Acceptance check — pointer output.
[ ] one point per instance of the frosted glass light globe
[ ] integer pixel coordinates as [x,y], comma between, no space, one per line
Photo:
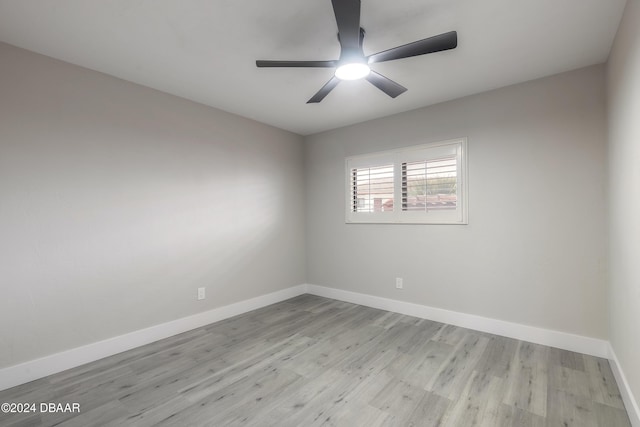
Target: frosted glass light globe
[353,71]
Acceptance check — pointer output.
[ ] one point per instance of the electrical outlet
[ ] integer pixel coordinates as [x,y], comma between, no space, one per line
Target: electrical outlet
[201,293]
[399,284]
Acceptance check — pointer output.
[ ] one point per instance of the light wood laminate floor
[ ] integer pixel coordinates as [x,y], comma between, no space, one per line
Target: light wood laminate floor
[312,361]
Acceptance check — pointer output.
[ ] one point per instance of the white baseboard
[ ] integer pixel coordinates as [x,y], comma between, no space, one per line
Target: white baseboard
[48,365]
[563,340]
[630,403]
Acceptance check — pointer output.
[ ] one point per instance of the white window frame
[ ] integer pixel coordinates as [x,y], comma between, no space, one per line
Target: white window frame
[425,152]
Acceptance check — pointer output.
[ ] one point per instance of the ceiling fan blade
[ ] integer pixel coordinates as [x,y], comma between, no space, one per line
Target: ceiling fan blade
[347,14]
[433,44]
[328,87]
[385,84]
[316,64]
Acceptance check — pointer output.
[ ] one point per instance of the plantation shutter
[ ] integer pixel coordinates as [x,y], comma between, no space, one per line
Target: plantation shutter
[429,185]
[372,189]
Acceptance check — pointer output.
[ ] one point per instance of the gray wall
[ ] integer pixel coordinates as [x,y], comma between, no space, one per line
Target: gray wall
[534,251]
[118,201]
[623,84]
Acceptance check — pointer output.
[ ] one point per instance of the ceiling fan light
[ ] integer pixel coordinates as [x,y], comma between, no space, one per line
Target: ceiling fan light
[352,71]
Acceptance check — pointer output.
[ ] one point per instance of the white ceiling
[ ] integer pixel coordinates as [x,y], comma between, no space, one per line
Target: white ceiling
[205,50]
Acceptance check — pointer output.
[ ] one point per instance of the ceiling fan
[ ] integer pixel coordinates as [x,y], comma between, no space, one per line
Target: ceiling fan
[353,64]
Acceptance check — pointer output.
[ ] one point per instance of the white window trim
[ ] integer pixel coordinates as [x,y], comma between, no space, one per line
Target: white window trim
[397,157]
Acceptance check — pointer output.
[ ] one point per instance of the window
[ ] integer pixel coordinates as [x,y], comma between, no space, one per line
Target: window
[424,184]
[373,189]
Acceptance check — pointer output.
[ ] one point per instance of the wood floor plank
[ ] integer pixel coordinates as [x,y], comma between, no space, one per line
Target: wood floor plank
[498,356]
[234,403]
[420,369]
[98,416]
[611,417]
[337,389]
[357,415]
[398,398]
[150,416]
[424,333]
[450,334]
[566,359]
[430,411]
[455,373]
[309,402]
[510,416]
[570,410]
[602,383]
[388,320]
[527,379]
[313,361]
[478,403]
[569,380]
[333,351]
[21,420]
[265,359]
